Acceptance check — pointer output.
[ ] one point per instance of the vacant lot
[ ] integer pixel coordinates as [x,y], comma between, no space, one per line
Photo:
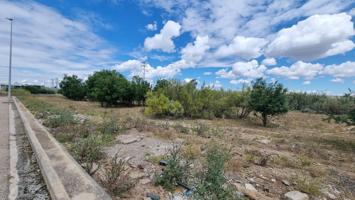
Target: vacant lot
[298,151]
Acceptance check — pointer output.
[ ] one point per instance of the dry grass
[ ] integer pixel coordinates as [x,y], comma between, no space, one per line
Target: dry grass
[302,143]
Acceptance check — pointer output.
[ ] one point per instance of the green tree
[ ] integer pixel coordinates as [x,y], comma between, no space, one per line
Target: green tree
[159,105]
[73,88]
[140,88]
[269,99]
[109,88]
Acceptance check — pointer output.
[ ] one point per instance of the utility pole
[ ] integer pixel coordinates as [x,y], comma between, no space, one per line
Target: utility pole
[10,62]
[144,64]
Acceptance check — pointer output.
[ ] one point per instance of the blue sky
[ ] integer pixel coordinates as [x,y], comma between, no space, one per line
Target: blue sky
[306,45]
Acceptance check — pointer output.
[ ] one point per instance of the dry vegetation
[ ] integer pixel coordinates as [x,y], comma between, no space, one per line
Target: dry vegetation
[299,151]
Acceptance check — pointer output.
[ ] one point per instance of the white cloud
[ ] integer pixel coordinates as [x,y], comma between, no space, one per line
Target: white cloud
[135,67]
[244,47]
[298,70]
[343,70]
[215,85]
[269,61]
[250,69]
[207,73]
[337,80]
[164,40]
[240,81]
[306,82]
[152,27]
[315,37]
[46,44]
[195,52]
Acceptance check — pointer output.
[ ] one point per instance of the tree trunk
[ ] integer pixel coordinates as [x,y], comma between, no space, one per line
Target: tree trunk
[264,119]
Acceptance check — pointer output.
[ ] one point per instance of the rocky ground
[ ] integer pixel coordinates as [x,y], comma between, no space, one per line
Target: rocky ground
[299,156]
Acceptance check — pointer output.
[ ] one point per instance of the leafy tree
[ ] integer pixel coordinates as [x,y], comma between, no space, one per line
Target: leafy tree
[109,88]
[73,88]
[140,87]
[268,99]
[159,105]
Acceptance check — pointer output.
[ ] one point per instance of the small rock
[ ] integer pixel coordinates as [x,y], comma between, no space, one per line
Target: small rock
[136,175]
[273,180]
[128,139]
[265,141]
[153,196]
[250,187]
[296,195]
[285,182]
[163,163]
[144,181]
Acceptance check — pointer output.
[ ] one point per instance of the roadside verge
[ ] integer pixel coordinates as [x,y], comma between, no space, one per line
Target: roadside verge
[64,177]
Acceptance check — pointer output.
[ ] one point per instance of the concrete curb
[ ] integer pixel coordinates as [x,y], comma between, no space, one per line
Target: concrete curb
[54,185]
[64,177]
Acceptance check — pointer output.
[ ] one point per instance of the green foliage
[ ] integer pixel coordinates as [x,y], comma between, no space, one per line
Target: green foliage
[36,89]
[73,88]
[108,87]
[20,92]
[212,183]
[205,102]
[159,105]
[177,170]
[268,99]
[139,88]
[60,118]
[88,152]
[115,178]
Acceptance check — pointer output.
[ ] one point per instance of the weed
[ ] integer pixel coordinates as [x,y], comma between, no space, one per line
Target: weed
[211,183]
[88,151]
[181,128]
[177,170]
[305,161]
[115,178]
[110,126]
[154,159]
[201,129]
[191,151]
[309,186]
[60,118]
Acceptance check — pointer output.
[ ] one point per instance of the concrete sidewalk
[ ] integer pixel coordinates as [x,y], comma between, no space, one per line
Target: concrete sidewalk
[4,148]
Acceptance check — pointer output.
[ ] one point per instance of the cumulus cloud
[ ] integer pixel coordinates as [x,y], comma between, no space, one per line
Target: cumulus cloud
[152,27]
[244,47]
[195,52]
[47,44]
[135,67]
[298,70]
[315,37]
[207,73]
[240,81]
[250,69]
[343,70]
[164,40]
[269,61]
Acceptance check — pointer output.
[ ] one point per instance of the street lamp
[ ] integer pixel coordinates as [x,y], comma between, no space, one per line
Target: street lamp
[10,62]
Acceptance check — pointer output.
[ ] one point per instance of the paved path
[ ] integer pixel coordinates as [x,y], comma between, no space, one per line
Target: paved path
[4,148]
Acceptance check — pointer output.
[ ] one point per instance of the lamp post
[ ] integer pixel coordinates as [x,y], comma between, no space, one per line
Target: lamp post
[10,62]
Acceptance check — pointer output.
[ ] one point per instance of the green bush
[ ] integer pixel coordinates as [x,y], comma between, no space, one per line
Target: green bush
[114,177]
[60,119]
[159,105]
[211,183]
[88,152]
[176,170]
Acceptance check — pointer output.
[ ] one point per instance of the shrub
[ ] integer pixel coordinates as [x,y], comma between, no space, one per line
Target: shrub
[60,119]
[176,170]
[268,99]
[88,151]
[72,87]
[115,178]
[159,105]
[110,126]
[211,183]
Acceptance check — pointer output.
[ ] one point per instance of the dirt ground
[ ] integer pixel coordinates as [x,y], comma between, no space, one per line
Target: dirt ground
[298,151]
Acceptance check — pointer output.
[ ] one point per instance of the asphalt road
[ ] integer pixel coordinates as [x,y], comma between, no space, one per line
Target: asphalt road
[4,148]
